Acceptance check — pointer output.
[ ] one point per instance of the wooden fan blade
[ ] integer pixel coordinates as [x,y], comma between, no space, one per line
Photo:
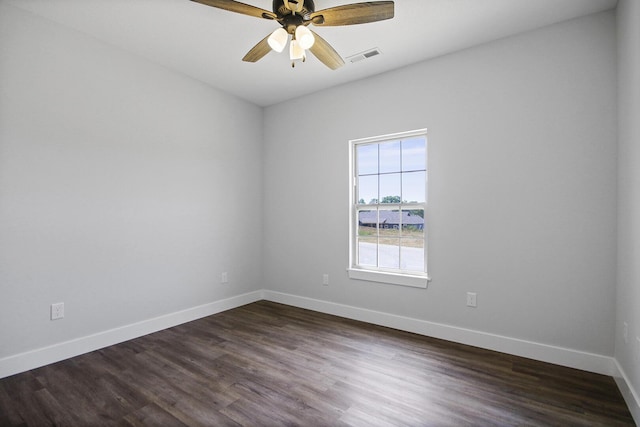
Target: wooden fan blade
[236,6]
[325,53]
[355,13]
[258,51]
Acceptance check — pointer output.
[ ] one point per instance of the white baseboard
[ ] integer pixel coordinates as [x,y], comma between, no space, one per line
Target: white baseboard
[631,396]
[557,355]
[43,356]
[561,356]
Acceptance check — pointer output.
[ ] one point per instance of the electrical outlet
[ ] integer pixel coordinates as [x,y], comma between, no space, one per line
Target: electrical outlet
[224,277]
[472,299]
[625,332]
[325,280]
[57,311]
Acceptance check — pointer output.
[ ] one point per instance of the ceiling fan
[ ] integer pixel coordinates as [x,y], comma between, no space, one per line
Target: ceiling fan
[294,16]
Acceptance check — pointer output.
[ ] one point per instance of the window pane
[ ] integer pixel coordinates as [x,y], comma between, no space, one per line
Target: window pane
[413,186]
[390,188]
[390,157]
[368,238]
[368,223]
[389,253]
[367,252]
[368,189]
[389,237]
[414,154]
[412,241]
[367,159]
[413,224]
[389,224]
[412,255]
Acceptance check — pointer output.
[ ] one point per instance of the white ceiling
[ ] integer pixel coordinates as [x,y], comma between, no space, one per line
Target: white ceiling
[208,43]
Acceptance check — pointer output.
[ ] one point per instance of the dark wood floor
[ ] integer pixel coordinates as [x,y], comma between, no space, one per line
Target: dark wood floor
[267,364]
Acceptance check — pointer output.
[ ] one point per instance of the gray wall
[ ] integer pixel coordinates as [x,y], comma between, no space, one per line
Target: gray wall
[522,186]
[628,303]
[125,189]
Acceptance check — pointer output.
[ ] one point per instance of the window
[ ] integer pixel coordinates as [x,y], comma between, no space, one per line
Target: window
[388,197]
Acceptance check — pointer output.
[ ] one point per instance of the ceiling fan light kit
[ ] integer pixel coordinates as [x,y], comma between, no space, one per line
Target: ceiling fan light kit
[278,39]
[296,52]
[304,36]
[295,15]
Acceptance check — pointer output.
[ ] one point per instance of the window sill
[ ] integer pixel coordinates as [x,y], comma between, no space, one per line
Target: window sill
[414,281]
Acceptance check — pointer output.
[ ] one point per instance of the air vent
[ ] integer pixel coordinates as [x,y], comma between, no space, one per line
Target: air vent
[364,55]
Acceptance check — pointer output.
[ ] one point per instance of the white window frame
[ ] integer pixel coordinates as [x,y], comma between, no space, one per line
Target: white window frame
[377,274]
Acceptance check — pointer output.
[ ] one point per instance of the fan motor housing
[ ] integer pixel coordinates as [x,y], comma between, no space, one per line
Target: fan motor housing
[281,10]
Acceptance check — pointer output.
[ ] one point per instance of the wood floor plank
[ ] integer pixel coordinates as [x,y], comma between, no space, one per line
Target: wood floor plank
[151,415]
[9,414]
[267,364]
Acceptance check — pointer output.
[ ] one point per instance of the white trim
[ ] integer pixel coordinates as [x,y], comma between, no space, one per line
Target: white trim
[631,396]
[591,362]
[356,271]
[386,277]
[43,356]
[558,355]
[398,135]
